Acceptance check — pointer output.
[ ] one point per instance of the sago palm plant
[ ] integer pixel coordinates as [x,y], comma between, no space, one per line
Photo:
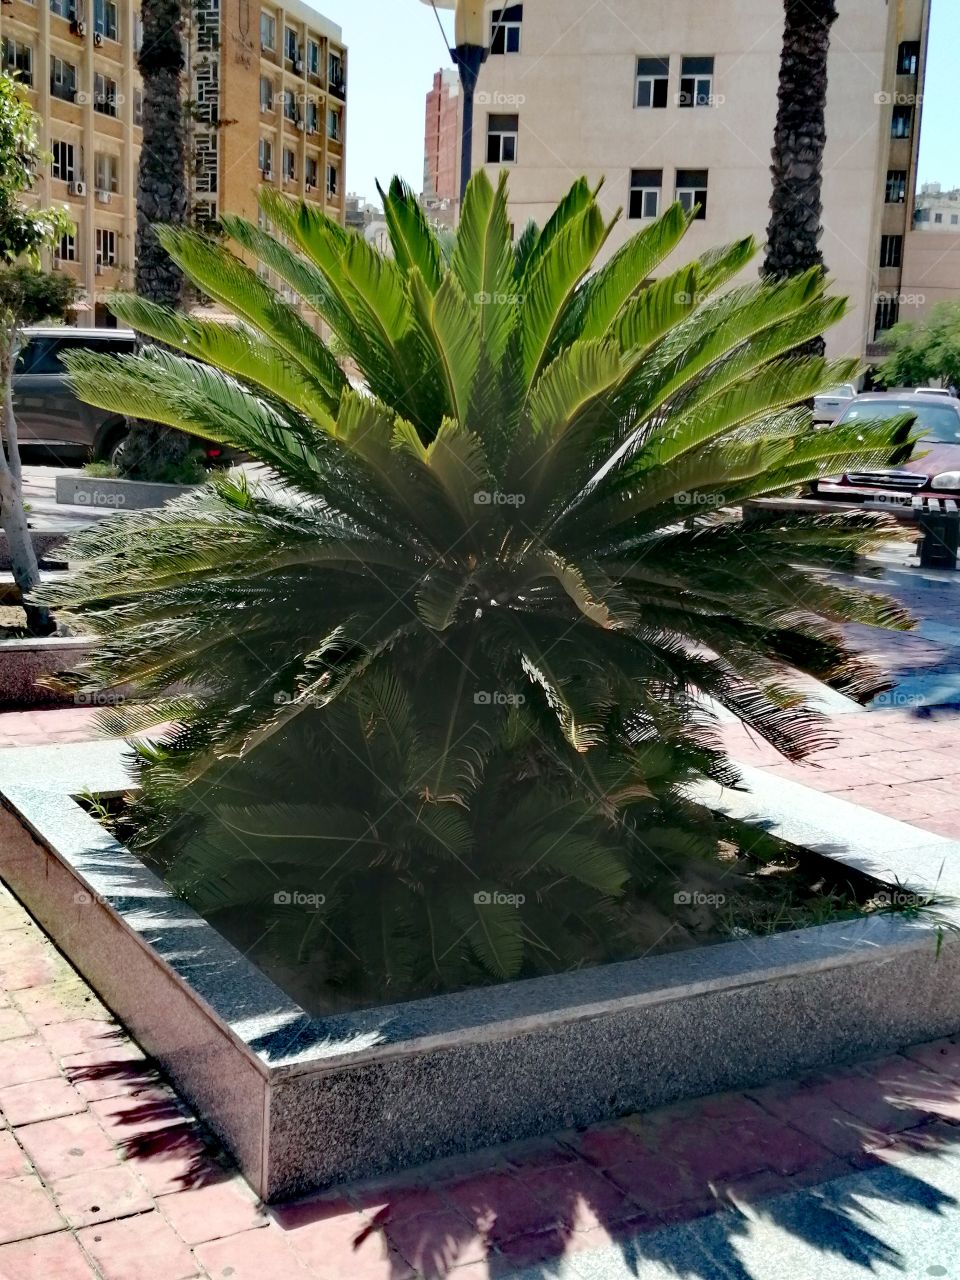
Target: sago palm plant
[519,543]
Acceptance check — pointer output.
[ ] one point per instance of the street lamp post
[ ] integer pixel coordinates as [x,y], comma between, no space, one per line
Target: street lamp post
[469,54]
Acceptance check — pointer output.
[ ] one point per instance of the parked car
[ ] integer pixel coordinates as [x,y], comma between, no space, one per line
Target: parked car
[932,471]
[829,405]
[54,426]
[935,391]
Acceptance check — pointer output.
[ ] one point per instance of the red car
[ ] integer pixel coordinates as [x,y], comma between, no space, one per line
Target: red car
[932,472]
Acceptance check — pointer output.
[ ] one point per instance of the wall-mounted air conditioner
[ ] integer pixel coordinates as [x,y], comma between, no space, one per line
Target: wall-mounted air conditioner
[104,197]
[77,189]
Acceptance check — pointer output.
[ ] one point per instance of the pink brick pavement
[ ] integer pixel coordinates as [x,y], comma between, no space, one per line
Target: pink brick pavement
[894,762]
[105,1173]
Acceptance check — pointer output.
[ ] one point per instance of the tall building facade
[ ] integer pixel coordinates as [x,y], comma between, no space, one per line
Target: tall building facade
[677,99]
[264,100]
[441,138]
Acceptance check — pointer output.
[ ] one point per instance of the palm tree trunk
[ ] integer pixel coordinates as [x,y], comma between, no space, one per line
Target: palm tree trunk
[796,206]
[161,198]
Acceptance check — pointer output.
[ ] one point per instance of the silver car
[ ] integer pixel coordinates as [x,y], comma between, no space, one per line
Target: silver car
[53,424]
[828,406]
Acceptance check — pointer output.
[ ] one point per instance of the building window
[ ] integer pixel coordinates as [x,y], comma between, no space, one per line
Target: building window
[333,182]
[65,250]
[289,165]
[18,60]
[266,93]
[938,217]
[502,136]
[902,122]
[954,219]
[653,79]
[105,96]
[692,191]
[896,186]
[310,172]
[696,82]
[107,171]
[106,247]
[335,70]
[138,106]
[505,28]
[63,79]
[62,8]
[334,124]
[312,115]
[265,158]
[887,314]
[268,32]
[645,188]
[105,19]
[908,58]
[289,44]
[313,57]
[63,166]
[289,105]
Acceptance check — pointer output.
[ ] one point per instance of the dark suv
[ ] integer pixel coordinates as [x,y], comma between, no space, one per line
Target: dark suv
[53,423]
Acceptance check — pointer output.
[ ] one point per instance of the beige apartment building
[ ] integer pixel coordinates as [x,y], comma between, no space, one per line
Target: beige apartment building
[267,94]
[677,99]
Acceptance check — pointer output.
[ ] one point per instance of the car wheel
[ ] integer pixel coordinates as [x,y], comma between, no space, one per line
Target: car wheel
[114,450]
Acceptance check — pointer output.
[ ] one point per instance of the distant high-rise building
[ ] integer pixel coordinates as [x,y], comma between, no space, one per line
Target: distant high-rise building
[441,142]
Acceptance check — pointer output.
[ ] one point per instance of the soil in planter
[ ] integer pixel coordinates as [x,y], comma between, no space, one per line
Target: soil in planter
[13,625]
[755,886]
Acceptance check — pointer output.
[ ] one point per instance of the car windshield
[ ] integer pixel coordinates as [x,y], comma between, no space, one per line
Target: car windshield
[940,422]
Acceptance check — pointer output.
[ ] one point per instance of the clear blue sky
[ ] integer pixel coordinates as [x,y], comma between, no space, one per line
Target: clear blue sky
[395,47]
[939,152]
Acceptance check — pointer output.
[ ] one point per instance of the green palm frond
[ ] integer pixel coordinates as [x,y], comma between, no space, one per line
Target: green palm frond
[465,632]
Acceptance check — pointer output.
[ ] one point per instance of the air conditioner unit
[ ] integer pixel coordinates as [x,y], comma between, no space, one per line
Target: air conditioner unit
[300,125]
[267,175]
[298,66]
[311,186]
[104,197]
[77,189]
[79,29]
[56,265]
[97,39]
[98,269]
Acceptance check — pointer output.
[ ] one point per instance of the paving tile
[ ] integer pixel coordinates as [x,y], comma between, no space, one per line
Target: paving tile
[68,1145]
[99,1195]
[109,1072]
[56,1257]
[254,1255]
[218,1209]
[173,1159]
[435,1243]
[81,1035]
[13,1162]
[26,1209]
[140,1248]
[333,1239]
[655,1183]
[24,1060]
[611,1145]
[405,1200]
[140,1113]
[13,1025]
[39,1100]
[60,1002]
[942,1057]
[500,1206]
[578,1198]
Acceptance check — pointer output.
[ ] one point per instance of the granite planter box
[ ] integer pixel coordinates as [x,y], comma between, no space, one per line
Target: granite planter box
[119,495]
[304,1102]
[24,662]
